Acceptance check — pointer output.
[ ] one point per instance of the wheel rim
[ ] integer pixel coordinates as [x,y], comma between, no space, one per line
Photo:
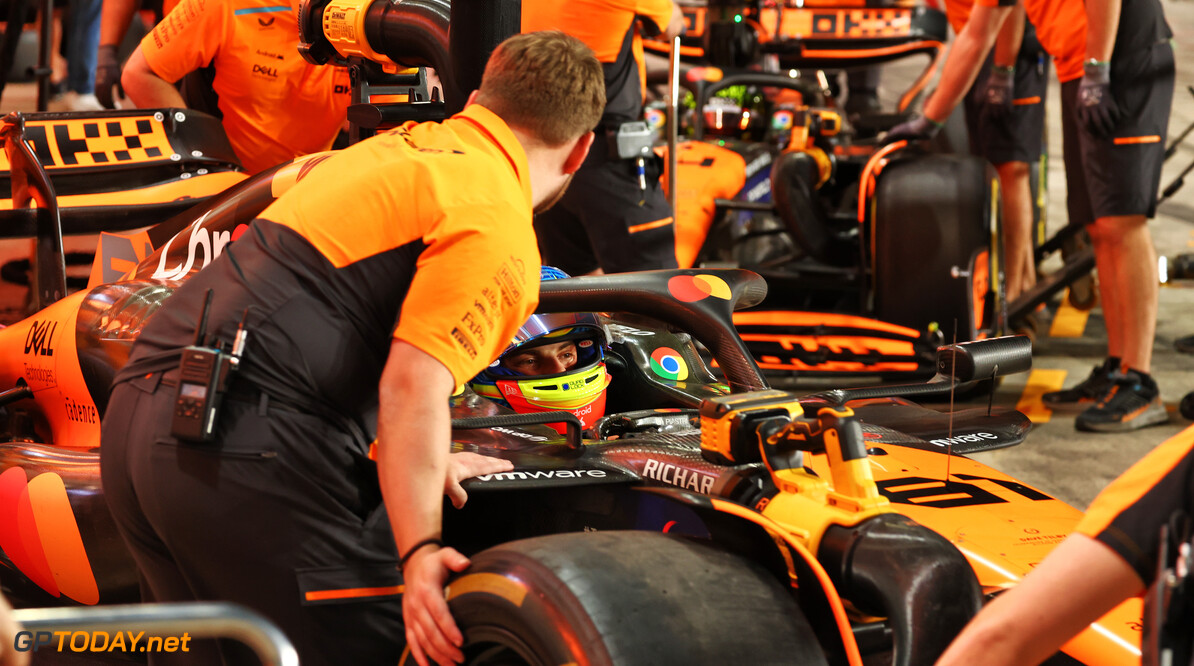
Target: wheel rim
[494,646]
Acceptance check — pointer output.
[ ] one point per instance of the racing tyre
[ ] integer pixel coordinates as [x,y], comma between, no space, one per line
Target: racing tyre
[625,598]
[934,233]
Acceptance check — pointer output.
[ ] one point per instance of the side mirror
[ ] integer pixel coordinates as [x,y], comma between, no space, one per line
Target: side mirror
[984,359]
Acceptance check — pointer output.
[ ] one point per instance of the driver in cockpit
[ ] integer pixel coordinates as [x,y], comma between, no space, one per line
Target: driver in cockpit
[555,362]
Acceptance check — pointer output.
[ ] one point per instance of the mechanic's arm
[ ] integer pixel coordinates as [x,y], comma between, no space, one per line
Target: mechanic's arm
[115,18]
[145,88]
[1007,44]
[1079,582]
[1102,22]
[413,431]
[965,59]
[675,25]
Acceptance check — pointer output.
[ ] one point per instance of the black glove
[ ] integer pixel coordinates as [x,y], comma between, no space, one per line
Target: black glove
[999,93]
[1096,106]
[917,129]
[107,75]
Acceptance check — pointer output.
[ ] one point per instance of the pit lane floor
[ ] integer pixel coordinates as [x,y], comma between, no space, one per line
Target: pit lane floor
[1055,458]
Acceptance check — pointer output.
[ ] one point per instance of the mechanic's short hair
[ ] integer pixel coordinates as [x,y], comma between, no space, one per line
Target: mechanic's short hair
[547,84]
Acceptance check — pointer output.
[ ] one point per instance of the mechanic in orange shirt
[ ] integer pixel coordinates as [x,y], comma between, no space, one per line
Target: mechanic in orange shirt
[275,105]
[1005,116]
[1115,62]
[356,329]
[616,217]
[1111,556]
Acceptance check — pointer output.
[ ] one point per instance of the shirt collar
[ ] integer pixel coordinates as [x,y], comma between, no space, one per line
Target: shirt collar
[498,132]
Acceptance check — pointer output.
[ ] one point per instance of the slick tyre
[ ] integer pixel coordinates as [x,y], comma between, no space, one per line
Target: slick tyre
[936,258]
[625,598]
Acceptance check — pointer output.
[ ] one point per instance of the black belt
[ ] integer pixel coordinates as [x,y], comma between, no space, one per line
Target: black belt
[252,394]
[245,391]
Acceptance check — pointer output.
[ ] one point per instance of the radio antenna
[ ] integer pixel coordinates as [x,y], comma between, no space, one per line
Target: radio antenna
[953,387]
[201,328]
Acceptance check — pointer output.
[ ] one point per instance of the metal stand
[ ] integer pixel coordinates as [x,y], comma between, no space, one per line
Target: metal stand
[198,620]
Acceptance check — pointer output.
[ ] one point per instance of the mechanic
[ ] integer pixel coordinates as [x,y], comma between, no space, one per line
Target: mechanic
[616,218]
[1111,556]
[275,105]
[1005,116]
[1115,63]
[369,319]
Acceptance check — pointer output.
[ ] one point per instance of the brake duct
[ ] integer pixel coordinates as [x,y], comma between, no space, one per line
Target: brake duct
[893,567]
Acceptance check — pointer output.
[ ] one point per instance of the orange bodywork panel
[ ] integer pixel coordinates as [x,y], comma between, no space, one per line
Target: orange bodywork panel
[823,319]
[42,351]
[704,173]
[829,23]
[1003,528]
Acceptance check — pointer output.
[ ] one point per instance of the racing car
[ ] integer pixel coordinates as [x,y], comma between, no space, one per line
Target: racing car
[699,521]
[849,234]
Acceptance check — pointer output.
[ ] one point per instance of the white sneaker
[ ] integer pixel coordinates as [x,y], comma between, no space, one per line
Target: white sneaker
[73,101]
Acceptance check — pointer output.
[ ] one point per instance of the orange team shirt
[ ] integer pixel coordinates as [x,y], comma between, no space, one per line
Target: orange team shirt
[604,25]
[1127,515]
[1061,28]
[276,106]
[477,276]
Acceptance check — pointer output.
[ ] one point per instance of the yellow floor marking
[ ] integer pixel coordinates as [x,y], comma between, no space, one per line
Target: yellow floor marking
[1069,322]
[1039,383]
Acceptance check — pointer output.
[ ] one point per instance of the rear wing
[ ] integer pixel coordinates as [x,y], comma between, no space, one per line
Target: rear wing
[117,170]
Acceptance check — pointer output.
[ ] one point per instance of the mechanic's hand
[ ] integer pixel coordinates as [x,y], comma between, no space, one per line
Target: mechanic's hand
[1000,92]
[431,633]
[1096,106]
[107,75]
[9,656]
[465,465]
[917,129]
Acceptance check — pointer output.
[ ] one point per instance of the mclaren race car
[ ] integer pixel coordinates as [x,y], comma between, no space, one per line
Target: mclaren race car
[850,235]
[697,522]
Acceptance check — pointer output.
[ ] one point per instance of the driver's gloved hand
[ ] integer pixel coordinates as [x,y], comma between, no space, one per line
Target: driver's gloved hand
[917,129]
[1096,106]
[999,93]
[107,75]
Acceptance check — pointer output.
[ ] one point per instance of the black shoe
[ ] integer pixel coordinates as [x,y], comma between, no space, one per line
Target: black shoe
[1185,344]
[1133,402]
[1088,391]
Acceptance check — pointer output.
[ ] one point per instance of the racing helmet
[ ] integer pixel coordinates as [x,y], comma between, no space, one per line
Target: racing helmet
[725,117]
[579,389]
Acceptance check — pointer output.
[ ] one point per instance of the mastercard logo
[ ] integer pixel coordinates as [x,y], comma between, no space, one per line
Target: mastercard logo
[667,363]
[692,288]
